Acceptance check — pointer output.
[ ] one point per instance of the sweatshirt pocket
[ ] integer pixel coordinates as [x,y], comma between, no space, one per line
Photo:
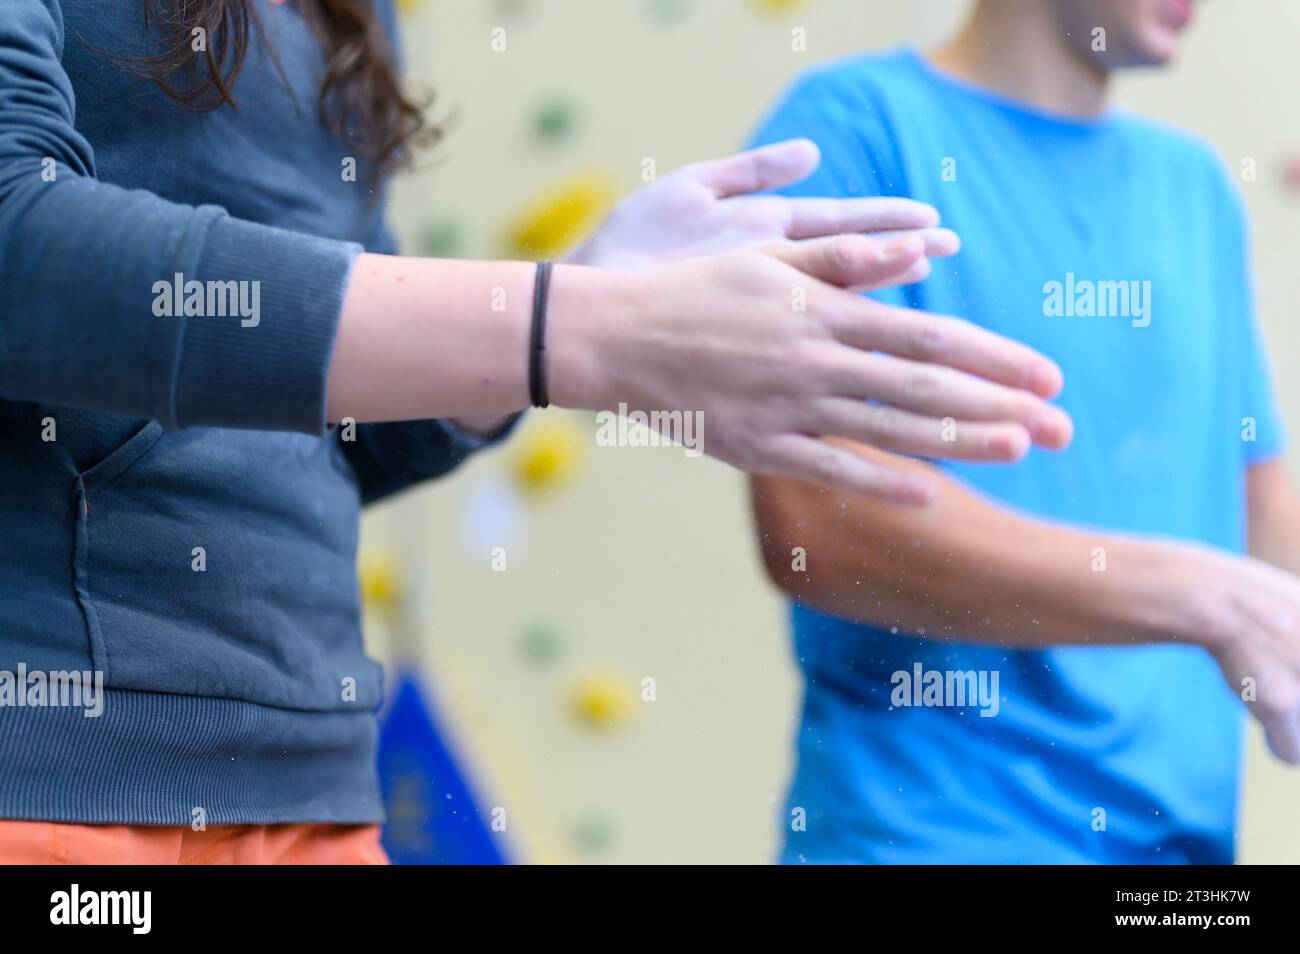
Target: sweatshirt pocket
[117,462]
[222,563]
[98,475]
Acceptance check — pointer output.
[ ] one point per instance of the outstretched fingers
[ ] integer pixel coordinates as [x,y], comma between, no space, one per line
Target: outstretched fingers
[870,325]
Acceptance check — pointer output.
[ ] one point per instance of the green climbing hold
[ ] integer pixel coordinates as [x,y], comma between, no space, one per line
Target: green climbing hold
[556,120]
[594,833]
[442,240]
[541,644]
[669,11]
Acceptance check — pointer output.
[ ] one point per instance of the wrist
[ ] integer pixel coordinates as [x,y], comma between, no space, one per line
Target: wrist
[589,311]
[1161,584]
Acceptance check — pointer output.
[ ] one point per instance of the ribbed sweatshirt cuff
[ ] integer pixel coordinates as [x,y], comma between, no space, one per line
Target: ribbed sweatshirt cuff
[264,367]
[152,758]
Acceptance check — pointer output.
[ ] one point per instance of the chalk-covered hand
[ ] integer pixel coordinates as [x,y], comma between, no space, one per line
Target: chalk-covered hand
[711,208]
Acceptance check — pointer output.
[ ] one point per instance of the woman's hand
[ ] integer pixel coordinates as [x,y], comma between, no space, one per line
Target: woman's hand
[708,209]
[774,355]
[770,348]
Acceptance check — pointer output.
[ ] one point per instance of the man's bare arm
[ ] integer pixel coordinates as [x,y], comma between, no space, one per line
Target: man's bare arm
[970,570]
[1273,512]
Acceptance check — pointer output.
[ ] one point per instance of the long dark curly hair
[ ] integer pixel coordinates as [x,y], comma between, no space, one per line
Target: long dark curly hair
[361,98]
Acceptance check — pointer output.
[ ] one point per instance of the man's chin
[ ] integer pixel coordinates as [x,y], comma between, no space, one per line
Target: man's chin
[1152,57]
[1162,50]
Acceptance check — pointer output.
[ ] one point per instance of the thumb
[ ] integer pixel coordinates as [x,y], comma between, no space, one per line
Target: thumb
[854,261]
[768,167]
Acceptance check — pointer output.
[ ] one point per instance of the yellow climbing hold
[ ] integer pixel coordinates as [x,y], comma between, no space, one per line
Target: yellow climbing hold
[602,701]
[780,6]
[548,454]
[381,580]
[560,218]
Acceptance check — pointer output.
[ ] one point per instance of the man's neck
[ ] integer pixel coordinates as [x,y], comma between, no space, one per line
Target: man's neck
[1021,54]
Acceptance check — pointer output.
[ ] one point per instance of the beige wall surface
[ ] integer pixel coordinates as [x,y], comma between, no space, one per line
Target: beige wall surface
[642,563]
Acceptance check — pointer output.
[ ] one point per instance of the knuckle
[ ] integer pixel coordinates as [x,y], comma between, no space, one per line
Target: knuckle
[920,387]
[878,420]
[894,487]
[927,338]
[808,362]
[872,319]
[842,255]
[857,253]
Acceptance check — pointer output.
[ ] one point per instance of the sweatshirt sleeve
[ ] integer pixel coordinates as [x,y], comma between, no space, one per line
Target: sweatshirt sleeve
[390,458]
[79,261]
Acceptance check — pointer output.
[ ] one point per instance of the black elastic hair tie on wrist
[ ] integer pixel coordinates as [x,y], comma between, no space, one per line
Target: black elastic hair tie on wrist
[537,344]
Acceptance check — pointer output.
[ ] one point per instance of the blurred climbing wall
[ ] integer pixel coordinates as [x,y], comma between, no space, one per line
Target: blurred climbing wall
[628,564]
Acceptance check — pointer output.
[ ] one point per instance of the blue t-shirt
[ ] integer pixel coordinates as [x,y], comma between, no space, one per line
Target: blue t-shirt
[1117,247]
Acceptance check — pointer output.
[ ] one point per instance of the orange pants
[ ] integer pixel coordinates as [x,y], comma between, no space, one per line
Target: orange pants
[46,843]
